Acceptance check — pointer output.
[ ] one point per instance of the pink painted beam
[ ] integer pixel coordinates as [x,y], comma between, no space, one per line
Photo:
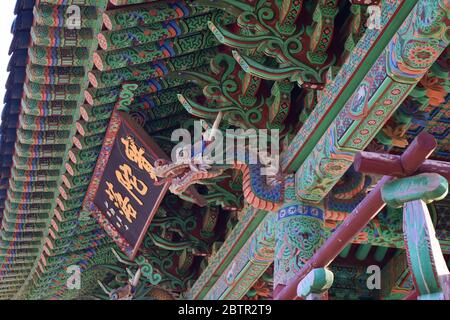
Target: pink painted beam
[413,157]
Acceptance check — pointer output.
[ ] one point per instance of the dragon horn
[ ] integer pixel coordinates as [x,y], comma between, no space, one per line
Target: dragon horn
[136,278]
[215,126]
[129,273]
[103,287]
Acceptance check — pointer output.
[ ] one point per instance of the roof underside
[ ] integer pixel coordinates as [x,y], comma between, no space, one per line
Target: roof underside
[63,87]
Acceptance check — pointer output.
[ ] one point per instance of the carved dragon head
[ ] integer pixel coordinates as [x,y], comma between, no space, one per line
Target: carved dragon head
[182,175]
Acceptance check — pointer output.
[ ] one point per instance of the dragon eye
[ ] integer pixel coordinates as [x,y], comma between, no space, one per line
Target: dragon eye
[160,162]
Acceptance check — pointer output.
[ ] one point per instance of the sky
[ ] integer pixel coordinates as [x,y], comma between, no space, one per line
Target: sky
[7,17]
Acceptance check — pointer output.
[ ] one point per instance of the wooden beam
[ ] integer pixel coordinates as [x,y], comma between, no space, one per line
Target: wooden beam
[336,94]
[375,100]
[390,164]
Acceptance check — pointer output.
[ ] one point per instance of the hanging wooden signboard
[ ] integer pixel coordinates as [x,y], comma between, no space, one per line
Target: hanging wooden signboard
[124,193]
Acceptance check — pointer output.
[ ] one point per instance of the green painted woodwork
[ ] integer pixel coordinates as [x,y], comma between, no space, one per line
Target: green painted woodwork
[76,180]
[84,156]
[44,137]
[87,141]
[28,122]
[145,34]
[96,113]
[148,13]
[233,243]
[54,16]
[344,253]
[101,96]
[173,121]
[345,83]
[165,110]
[34,187]
[428,187]
[383,89]
[60,56]
[81,167]
[380,253]
[92,128]
[298,234]
[249,264]
[97,3]
[425,258]
[67,193]
[43,35]
[154,51]
[55,75]
[48,108]
[51,92]
[152,70]
[276,35]
[124,2]
[318,281]
[240,97]
[37,163]
[363,251]
[167,48]
[45,151]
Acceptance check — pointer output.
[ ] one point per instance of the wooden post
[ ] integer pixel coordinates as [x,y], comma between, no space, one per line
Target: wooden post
[425,259]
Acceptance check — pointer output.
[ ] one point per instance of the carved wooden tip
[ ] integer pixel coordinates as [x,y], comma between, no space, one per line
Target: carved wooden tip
[72,156]
[77,143]
[66,181]
[60,204]
[63,192]
[69,170]
[98,62]
[80,129]
[107,21]
[102,42]
[416,153]
[89,98]
[93,79]
[55,225]
[426,140]
[52,234]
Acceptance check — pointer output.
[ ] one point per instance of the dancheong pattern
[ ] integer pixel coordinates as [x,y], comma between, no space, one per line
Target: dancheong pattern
[353,87]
